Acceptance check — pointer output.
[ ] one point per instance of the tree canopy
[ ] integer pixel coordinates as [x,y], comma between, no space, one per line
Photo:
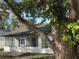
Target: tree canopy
[57,12]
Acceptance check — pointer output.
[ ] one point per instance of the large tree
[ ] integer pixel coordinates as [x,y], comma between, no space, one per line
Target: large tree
[63,16]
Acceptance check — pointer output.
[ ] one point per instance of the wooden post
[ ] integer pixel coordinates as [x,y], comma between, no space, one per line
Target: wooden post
[39,42]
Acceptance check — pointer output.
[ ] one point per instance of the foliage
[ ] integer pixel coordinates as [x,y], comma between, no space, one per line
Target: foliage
[71,33]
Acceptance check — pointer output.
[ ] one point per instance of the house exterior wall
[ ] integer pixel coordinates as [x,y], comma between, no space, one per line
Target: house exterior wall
[39,42]
[29,41]
[11,44]
[27,48]
[15,42]
[8,41]
[2,42]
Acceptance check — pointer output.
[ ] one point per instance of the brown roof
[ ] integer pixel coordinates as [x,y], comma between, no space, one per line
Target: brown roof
[24,30]
[2,32]
[21,29]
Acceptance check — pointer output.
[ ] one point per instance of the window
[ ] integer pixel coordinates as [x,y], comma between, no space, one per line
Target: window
[22,41]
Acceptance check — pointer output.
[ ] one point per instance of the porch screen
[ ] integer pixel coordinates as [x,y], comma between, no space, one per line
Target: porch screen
[8,41]
[34,42]
[44,45]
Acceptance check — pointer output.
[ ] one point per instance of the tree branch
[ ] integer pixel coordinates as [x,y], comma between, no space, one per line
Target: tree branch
[69,20]
[74,12]
[30,25]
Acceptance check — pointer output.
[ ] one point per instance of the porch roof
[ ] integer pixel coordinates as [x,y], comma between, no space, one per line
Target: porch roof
[2,32]
[23,31]
[19,31]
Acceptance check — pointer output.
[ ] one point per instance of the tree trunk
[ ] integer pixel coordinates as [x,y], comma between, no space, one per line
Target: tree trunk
[61,49]
[66,53]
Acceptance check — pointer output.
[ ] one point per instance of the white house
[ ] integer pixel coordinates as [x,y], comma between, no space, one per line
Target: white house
[24,40]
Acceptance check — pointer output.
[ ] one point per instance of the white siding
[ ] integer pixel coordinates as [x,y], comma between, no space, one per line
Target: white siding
[39,42]
[28,41]
[2,42]
[8,41]
[15,42]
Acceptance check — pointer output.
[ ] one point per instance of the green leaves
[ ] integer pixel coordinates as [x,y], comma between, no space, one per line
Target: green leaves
[66,37]
[71,33]
[74,26]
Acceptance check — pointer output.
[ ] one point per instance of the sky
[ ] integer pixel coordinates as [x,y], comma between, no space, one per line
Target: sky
[18,1]
[38,20]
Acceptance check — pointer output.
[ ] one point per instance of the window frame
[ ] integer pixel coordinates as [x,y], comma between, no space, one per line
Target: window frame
[21,41]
